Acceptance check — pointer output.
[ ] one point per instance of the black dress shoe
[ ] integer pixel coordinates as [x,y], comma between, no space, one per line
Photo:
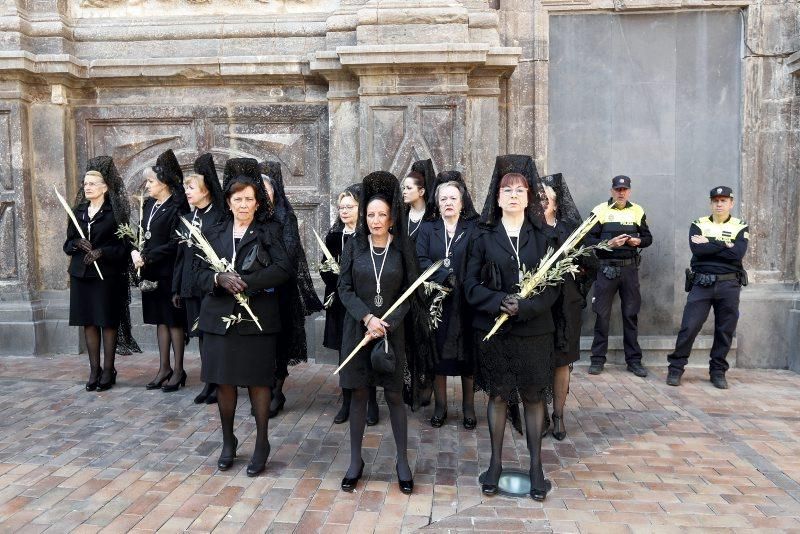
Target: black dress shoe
[103,386]
[719,381]
[203,395]
[175,387]
[226,461]
[559,430]
[257,467]
[596,368]
[674,377]
[92,385]
[438,422]
[490,488]
[406,486]
[470,423]
[349,484]
[276,407]
[343,415]
[212,397]
[638,369]
[157,384]
[540,494]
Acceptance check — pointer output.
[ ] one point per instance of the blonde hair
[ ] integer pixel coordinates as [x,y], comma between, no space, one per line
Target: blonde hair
[345,194]
[95,174]
[198,179]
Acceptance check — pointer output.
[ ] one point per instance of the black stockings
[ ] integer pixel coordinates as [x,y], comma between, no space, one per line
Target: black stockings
[259,400]
[358,420]
[467,396]
[277,398]
[92,336]
[560,389]
[227,397]
[175,336]
[534,418]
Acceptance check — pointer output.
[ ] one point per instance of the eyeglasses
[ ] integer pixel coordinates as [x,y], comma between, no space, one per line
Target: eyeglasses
[519,191]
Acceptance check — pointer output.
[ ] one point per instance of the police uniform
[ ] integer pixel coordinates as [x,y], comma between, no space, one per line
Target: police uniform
[715,281]
[618,272]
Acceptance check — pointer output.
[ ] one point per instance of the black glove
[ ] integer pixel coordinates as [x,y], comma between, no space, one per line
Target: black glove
[83,244]
[92,256]
[176,301]
[231,282]
[510,305]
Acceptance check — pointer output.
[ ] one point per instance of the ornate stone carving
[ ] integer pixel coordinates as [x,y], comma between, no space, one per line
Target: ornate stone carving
[157,7]
[8,242]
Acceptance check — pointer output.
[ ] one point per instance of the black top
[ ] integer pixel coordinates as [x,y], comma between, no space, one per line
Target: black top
[102,235]
[183,277]
[160,249]
[493,272]
[263,264]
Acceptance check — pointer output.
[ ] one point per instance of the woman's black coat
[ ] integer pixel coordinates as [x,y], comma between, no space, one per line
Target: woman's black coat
[184,283]
[160,250]
[334,313]
[492,273]
[114,260]
[270,270]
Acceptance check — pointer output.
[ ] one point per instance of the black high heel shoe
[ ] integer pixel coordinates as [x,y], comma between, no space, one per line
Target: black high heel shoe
[372,414]
[91,386]
[406,486]
[175,387]
[489,488]
[103,386]
[438,422]
[204,394]
[274,411]
[470,423]
[349,484]
[343,415]
[225,462]
[157,384]
[559,430]
[253,468]
[540,494]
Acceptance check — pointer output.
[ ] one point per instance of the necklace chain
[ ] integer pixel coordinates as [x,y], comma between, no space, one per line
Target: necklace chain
[378,274]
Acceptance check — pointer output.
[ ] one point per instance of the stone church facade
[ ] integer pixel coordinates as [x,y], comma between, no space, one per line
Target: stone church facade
[681,95]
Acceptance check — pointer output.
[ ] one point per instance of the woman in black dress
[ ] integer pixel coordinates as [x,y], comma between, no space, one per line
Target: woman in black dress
[204,194]
[241,354]
[447,238]
[563,218]
[417,189]
[298,299]
[339,234]
[161,212]
[101,307]
[517,362]
[378,264]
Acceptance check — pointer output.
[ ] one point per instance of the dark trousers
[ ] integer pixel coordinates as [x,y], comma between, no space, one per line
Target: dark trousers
[724,298]
[627,284]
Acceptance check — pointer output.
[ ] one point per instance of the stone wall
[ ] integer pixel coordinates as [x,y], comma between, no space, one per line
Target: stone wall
[334,89]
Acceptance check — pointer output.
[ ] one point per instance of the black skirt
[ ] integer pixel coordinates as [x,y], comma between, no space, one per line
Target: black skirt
[95,302]
[157,306]
[238,360]
[454,360]
[515,367]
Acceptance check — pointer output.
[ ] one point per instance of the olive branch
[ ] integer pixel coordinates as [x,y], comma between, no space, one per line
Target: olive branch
[439,293]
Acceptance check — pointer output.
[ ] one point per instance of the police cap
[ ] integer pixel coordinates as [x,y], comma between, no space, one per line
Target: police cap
[621,182]
[721,191]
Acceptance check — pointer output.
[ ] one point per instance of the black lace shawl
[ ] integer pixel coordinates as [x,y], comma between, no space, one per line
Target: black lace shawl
[468,212]
[168,171]
[245,169]
[120,205]
[301,298]
[355,190]
[525,166]
[420,344]
[204,166]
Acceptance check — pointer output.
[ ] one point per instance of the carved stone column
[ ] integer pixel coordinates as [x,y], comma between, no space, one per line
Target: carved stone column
[427,77]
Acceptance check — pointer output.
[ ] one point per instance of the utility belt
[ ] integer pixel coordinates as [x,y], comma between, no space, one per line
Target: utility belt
[708,280]
[612,269]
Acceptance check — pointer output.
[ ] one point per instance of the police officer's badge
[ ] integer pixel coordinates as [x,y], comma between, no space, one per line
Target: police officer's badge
[719,190]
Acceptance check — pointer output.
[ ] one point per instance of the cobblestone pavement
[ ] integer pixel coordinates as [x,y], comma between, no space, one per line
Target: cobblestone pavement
[640,456]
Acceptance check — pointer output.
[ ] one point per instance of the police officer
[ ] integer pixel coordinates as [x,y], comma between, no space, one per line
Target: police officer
[623,224]
[718,244]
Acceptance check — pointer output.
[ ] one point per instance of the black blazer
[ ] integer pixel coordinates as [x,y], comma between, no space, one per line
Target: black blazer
[492,273]
[183,277]
[114,260]
[162,247]
[430,247]
[270,269]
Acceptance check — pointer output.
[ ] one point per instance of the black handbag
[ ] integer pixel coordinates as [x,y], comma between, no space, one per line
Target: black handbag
[490,277]
[383,357]
[257,258]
